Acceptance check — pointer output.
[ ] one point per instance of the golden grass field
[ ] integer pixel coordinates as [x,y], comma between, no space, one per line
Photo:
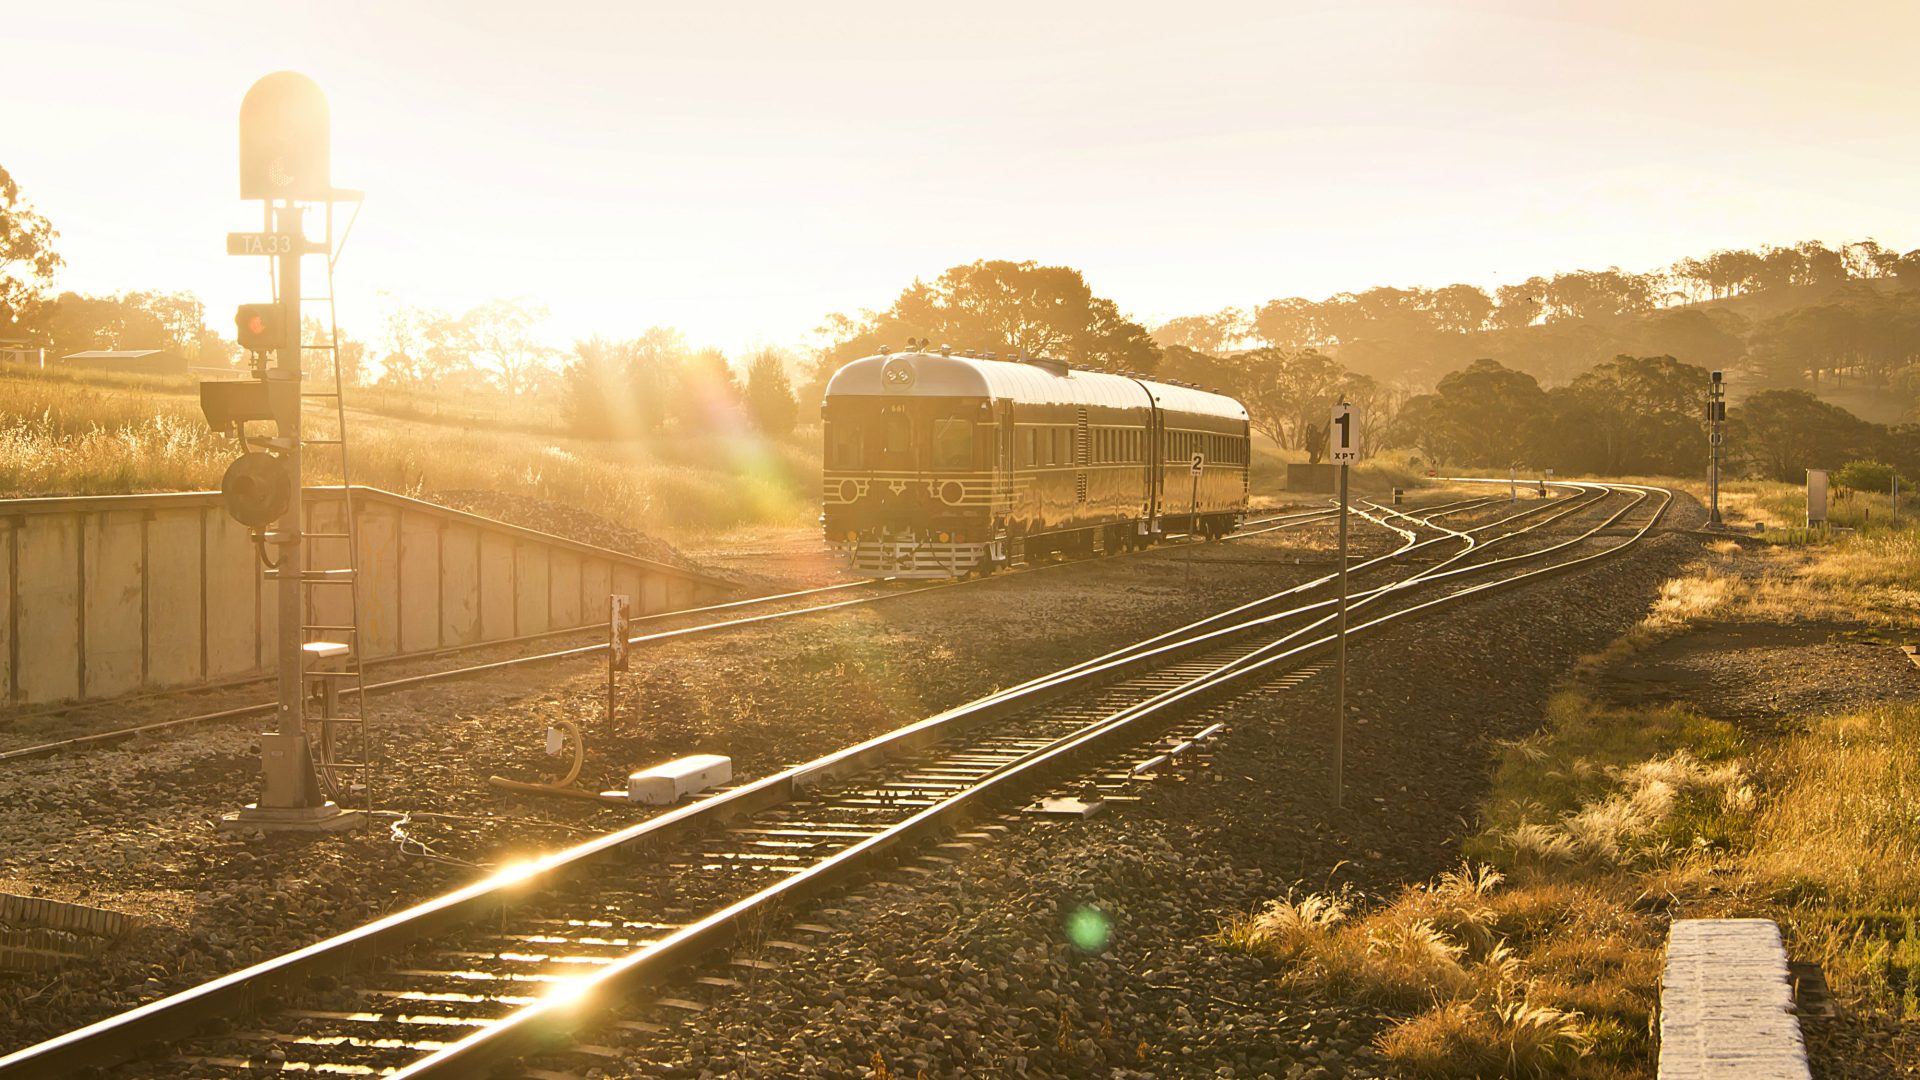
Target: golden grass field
[62,436]
[1541,955]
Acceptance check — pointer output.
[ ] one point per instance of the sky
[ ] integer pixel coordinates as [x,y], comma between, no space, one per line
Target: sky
[741,170]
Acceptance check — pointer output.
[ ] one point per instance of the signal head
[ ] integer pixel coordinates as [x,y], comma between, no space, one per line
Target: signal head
[258,327]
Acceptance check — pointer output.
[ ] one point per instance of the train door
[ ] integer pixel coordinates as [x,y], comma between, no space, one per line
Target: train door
[1006,453]
[1155,455]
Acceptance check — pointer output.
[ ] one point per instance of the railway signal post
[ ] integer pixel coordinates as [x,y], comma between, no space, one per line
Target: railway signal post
[1716,416]
[285,151]
[1344,449]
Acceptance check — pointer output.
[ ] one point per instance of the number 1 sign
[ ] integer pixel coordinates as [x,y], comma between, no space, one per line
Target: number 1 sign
[1343,443]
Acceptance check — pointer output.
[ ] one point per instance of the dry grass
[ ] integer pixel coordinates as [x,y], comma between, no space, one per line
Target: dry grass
[1610,820]
[59,436]
[1486,972]
[1468,1040]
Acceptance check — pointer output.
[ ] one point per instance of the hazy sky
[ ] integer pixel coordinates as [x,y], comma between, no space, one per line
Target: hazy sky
[740,170]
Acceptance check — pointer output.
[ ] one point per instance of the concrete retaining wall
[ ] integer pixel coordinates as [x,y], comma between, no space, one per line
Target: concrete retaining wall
[105,595]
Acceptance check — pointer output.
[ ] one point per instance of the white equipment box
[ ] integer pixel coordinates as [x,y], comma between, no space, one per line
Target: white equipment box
[664,785]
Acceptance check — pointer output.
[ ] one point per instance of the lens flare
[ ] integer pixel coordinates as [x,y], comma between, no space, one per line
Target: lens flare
[1088,929]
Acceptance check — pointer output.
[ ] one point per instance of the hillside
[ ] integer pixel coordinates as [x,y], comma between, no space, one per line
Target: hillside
[69,436]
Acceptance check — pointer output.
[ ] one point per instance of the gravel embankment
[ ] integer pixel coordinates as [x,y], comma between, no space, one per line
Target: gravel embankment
[129,827]
[969,970]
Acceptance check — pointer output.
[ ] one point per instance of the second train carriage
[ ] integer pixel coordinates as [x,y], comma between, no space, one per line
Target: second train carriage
[938,465]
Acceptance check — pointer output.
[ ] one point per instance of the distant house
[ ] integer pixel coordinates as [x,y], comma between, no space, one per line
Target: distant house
[148,361]
[22,351]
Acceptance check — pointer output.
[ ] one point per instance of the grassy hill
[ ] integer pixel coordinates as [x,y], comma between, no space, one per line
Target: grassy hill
[67,435]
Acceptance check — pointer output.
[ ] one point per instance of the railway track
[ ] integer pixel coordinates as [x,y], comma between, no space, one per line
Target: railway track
[513,965]
[786,605]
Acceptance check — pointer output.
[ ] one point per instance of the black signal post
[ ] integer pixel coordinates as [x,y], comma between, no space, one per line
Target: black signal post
[1716,418]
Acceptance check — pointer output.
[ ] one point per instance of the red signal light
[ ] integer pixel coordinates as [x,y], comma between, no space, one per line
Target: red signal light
[258,327]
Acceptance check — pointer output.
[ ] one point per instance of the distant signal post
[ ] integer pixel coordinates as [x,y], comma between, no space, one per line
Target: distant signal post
[1344,450]
[1716,416]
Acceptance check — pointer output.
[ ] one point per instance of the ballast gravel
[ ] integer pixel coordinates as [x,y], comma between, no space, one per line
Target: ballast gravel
[1080,949]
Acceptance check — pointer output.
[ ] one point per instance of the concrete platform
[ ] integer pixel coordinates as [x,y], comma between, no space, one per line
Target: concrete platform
[1726,1004]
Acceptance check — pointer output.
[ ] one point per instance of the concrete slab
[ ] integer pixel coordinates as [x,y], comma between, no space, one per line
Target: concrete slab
[173,599]
[115,572]
[49,603]
[419,583]
[1726,1004]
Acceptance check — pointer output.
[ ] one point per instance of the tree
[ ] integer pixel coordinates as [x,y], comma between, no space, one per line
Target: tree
[1375,404]
[1631,415]
[596,387]
[405,341]
[1460,309]
[705,397]
[135,320]
[1489,413]
[1520,305]
[1217,333]
[501,333]
[27,259]
[1291,324]
[1004,307]
[1287,393]
[446,348]
[1782,433]
[769,394]
[1422,424]
[622,389]
[1865,476]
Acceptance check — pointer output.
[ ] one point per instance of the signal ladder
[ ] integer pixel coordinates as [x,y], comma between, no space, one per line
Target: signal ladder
[344,749]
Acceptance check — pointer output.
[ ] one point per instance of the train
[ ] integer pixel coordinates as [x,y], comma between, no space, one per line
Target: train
[944,464]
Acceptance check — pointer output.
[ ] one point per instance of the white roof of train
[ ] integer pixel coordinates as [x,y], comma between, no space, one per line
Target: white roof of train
[922,374]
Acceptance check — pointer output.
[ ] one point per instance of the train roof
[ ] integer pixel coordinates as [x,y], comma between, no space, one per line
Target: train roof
[926,374]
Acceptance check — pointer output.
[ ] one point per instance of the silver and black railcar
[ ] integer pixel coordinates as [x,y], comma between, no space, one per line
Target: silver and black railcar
[938,465]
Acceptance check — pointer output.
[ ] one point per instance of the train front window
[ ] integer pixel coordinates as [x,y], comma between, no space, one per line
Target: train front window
[896,439]
[952,444]
[844,445]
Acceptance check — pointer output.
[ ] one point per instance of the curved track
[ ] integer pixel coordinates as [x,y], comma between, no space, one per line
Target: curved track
[511,965]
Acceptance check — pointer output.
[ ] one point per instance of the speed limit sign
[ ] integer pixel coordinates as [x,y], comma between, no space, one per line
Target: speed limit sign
[1343,442]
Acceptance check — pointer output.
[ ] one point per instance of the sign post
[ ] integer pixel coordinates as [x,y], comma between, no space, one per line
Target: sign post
[618,608]
[1194,469]
[1345,450]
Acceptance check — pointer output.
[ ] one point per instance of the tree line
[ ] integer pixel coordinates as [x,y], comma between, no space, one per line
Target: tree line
[1587,371]
[1797,315]
[1627,416]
